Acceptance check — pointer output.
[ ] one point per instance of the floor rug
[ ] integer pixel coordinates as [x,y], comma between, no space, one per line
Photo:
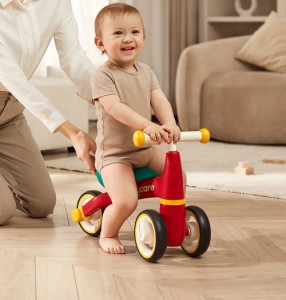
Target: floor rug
[211,166]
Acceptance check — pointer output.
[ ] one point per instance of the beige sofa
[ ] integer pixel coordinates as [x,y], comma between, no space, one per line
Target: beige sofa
[236,101]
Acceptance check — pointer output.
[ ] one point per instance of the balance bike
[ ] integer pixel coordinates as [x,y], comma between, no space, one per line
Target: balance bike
[174,224]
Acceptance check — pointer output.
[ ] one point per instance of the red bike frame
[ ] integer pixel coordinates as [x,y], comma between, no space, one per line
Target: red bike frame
[168,187]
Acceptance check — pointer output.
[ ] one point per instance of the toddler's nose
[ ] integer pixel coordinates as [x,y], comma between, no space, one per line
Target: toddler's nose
[127,38]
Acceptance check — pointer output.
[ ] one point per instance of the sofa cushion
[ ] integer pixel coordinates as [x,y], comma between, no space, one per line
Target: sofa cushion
[231,100]
[266,47]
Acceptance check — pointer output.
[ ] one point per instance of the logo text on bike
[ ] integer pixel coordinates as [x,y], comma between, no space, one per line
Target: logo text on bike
[145,189]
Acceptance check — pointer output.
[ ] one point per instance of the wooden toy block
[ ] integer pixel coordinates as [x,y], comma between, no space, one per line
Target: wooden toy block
[243,168]
[273,161]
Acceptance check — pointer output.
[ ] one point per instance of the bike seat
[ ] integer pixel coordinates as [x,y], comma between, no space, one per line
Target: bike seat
[139,173]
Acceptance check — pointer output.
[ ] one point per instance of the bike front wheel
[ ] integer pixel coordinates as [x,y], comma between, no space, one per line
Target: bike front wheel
[150,235]
[92,224]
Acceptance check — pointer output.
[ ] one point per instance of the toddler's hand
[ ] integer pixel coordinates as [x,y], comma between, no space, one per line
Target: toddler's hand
[173,131]
[157,133]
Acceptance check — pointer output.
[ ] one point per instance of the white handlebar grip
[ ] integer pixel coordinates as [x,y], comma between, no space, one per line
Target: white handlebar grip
[203,135]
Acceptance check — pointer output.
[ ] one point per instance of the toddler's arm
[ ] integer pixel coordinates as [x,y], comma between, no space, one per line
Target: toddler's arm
[164,114]
[128,116]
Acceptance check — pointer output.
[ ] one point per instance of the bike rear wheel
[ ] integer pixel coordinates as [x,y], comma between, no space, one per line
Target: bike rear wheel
[198,238]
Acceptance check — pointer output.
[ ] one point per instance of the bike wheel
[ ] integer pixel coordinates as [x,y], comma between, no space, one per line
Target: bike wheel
[199,232]
[92,224]
[150,235]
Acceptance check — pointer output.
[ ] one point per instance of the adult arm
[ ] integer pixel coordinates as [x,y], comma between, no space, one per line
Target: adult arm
[79,69]
[15,81]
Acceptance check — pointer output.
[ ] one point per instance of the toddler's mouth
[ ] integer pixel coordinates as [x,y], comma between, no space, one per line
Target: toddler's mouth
[128,48]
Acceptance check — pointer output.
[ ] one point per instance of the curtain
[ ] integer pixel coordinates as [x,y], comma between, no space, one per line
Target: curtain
[183,32]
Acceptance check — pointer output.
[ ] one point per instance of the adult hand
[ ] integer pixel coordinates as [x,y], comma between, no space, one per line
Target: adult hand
[82,142]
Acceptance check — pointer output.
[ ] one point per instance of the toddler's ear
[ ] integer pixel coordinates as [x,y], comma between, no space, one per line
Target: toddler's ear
[99,44]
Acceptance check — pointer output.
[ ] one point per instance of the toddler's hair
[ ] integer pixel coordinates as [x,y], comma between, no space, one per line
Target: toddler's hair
[114,10]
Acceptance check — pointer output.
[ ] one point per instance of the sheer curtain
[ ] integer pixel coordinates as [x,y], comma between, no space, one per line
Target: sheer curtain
[183,32]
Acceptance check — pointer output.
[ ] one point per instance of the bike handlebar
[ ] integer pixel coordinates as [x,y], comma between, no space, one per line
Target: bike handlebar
[203,135]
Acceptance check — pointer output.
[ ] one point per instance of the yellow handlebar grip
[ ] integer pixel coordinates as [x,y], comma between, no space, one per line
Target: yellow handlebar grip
[205,135]
[138,138]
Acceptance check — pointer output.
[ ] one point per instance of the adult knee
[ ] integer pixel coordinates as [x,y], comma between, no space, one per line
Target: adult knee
[7,207]
[43,207]
[5,217]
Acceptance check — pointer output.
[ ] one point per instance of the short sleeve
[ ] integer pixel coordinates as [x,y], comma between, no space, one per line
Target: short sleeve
[102,84]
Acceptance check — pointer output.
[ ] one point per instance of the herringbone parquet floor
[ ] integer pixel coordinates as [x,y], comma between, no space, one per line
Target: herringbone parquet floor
[54,259]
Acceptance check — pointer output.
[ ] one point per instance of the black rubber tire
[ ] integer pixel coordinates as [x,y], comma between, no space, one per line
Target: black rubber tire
[202,232]
[156,231]
[87,226]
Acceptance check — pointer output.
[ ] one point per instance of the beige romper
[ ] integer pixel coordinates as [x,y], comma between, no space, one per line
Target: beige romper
[114,139]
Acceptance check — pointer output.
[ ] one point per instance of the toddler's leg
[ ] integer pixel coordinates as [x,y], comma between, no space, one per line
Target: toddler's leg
[121,186]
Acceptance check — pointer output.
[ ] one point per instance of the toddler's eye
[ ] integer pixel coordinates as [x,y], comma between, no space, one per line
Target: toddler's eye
[136,31]
[117,32]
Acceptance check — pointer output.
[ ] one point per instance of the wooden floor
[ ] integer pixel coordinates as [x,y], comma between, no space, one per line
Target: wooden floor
[53,258]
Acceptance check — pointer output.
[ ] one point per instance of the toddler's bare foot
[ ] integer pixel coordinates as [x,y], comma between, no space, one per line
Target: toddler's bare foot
[111,245]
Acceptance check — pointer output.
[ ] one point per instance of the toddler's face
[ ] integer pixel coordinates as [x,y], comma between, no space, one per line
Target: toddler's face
[122,39]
